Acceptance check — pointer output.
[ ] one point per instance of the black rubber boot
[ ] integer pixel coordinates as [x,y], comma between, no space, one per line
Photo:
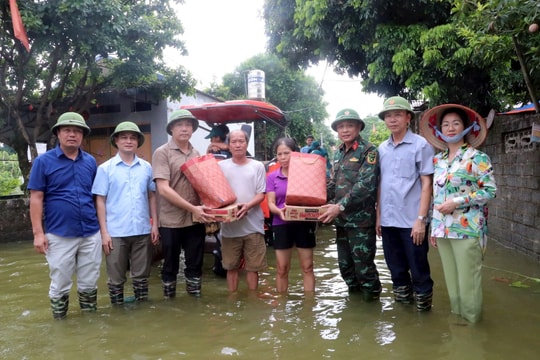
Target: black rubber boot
[59,307]
[403,294]
[371,295]
[88,300]
[423,302]
[140,289]
[193,286]
[169,289]
[116,293]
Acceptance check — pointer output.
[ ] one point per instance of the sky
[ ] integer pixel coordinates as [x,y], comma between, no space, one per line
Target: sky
[219,35]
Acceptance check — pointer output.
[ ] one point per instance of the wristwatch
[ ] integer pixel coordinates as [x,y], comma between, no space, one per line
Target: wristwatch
[422,218]
[341,207]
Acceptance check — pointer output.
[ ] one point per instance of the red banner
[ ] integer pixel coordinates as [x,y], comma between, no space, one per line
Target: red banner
[18,26]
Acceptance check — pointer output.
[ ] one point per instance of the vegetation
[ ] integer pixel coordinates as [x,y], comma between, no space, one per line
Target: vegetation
[478,53]
[78,49]
[375,131]
[10,174]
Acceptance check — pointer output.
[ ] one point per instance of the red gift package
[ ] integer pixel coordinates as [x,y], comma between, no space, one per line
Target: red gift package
[209,182]
[306,185]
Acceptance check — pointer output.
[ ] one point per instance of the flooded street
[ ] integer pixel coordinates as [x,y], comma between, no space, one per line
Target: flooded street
[262,325]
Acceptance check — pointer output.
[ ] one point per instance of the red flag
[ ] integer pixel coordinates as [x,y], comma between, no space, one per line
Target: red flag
[18,26]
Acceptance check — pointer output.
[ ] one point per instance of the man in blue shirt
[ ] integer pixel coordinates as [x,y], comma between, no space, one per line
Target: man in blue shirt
[127,213]
[63,215]
[309,140]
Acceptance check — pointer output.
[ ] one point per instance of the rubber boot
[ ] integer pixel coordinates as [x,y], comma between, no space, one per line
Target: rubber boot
[140,289]
[116,293]
[169,289]
[59,307]
[88,300]
[403,294]
[423,302]
[193,286]
[371,295]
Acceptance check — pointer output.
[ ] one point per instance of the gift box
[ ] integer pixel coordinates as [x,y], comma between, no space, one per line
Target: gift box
[209,182]
[306,184]
[224,214]
[303,213]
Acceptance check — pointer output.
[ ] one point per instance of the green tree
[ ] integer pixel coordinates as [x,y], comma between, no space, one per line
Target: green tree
[296,94]
[435,50]
[346,33]
[375,131]
[504,36]
[10,174]
[78,49]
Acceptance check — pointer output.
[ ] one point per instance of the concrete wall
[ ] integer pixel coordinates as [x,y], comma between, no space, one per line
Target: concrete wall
[15,220]
[514,215]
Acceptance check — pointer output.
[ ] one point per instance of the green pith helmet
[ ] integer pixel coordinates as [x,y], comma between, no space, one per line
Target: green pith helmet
[71,119]
[181,114]
[128,126]
[396,103]
[348,114]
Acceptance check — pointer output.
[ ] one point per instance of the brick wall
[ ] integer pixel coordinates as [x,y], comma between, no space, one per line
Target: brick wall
[514,215]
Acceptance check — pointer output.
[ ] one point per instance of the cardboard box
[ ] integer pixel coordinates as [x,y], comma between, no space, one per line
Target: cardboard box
[303,213]
[224,214]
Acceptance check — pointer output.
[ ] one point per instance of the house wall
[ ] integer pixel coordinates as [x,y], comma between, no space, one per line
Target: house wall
[514,215]
[152,119]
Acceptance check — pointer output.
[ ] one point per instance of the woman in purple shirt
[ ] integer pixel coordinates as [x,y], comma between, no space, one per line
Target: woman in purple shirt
[288,233]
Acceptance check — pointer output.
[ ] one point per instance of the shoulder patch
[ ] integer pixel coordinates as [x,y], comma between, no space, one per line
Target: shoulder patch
[371,157]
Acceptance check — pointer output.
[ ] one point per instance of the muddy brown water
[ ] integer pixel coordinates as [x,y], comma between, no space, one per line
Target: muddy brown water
[261,325]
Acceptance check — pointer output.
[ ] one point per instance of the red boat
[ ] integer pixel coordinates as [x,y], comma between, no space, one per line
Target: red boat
[236,111]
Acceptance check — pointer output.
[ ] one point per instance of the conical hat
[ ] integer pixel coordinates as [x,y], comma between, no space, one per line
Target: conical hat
[432,118]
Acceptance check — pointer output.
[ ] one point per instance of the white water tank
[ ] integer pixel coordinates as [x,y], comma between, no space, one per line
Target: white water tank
[255,85]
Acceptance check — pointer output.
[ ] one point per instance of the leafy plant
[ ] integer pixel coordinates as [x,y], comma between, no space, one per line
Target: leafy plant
[10,173]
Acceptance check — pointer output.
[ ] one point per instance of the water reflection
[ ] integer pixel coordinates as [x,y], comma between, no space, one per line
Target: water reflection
[261,324]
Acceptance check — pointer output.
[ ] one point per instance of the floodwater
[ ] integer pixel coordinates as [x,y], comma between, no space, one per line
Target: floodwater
[260,325]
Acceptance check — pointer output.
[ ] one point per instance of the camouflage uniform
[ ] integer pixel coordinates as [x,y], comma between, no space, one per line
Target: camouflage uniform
[354,188]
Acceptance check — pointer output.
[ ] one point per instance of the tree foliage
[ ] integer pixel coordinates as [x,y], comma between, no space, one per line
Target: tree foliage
[10,174]
[296,94]
[375,131]
[78,49]
[436,50]
[498,35]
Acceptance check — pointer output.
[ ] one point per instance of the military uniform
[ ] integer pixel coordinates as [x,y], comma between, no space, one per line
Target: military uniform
[354,187]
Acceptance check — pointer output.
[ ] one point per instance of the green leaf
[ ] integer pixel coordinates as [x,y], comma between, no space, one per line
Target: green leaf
[519,284]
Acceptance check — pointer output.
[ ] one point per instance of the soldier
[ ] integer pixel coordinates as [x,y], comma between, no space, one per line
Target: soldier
[353,194]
